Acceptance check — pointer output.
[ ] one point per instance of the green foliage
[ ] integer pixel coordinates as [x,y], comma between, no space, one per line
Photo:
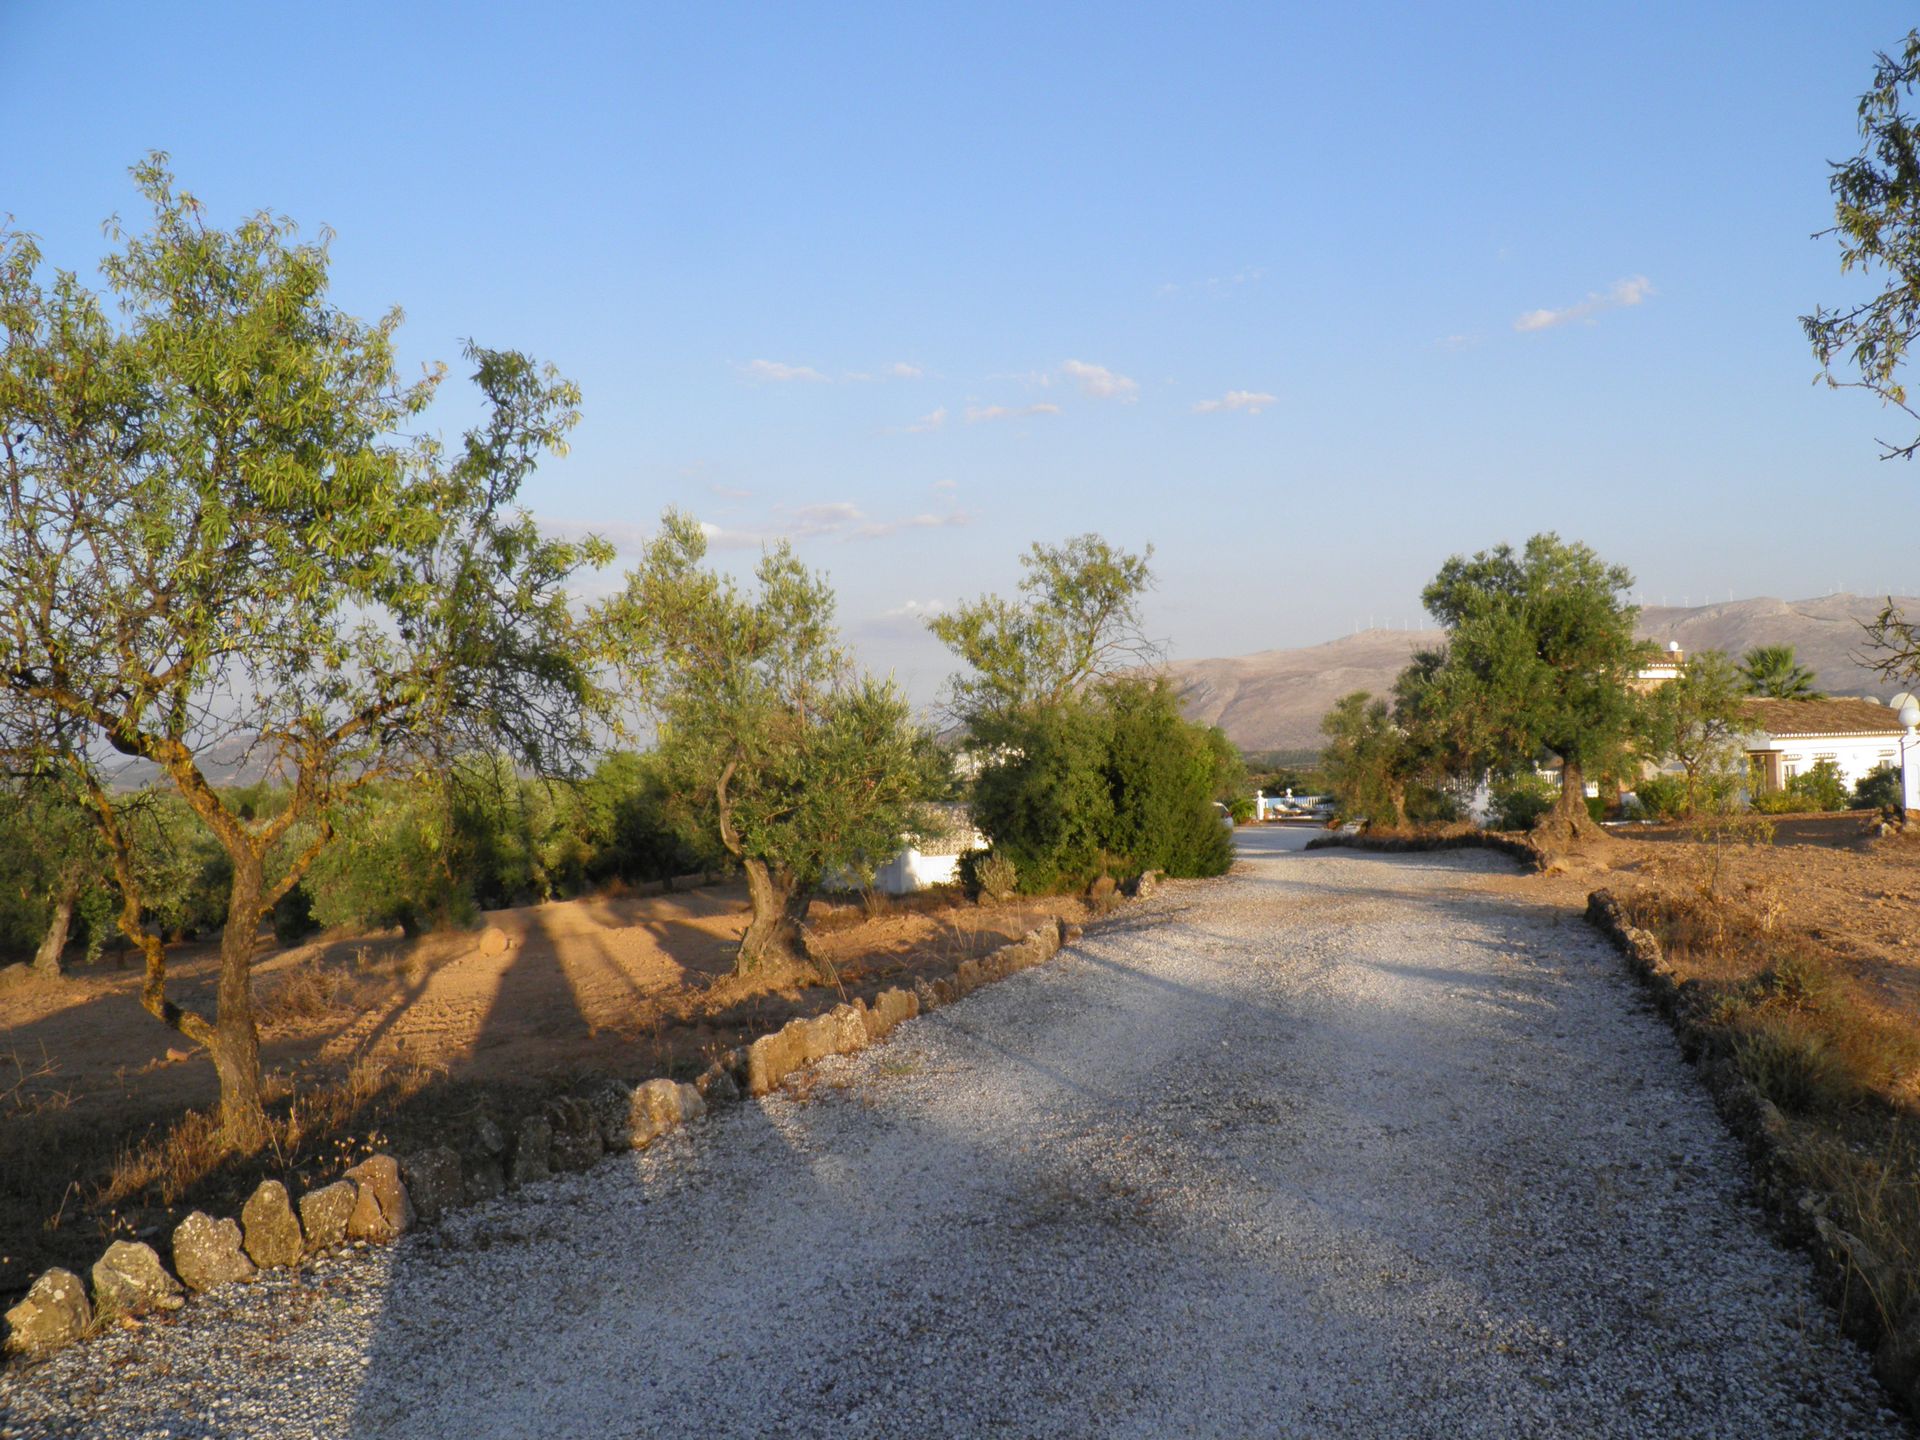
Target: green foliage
[985,873]
[1663,797]
[1386,764]
[223,514]
[1876,197]
[1771,671]
[1112,780]
[1878,789]
[1819,788]
[1540,654]
[774,749]
[396,862]
[1075,621]
[1521,800]
[1163,773]
[1696,720]
[1777,802]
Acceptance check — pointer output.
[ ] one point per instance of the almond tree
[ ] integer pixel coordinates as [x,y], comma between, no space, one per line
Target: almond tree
[223,539]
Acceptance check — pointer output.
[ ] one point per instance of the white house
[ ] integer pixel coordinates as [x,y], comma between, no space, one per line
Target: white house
[935,860]
[1791,736]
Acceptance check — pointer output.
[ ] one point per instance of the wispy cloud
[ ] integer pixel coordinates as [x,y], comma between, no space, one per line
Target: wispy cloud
[1248,402]
[728,492]
[833,520]
[1459,342]
[946,487]
[1216,284]
[779,373]
[880,529]
[1619,296]
[905,370]
[932,420]
[1100,382]
[978,413]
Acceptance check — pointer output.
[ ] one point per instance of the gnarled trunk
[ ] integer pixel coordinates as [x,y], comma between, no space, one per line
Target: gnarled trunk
[46,959]
[236,1042]
[1568,822]
[775,935]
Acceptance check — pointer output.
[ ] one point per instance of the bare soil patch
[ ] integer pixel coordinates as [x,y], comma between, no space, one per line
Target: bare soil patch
[380,1041]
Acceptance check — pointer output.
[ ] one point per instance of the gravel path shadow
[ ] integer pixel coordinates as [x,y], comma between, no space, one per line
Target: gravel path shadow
[1338,1147]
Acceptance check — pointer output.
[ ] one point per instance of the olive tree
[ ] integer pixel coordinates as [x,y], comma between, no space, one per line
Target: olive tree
[1539,655]
[778,753]
[1696,720]
[223,536]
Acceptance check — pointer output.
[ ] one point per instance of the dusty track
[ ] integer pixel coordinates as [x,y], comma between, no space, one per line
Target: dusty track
[1349,1145]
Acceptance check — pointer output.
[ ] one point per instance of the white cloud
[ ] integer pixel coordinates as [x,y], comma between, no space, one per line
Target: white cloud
[728,492]
[977,413]
[831,520]
[946,486]
[878,529]
[1216,284]
[1250,402]
[1100,382]
[778,372]
[905,370]
[1620,295]
[933,420]
[915,610]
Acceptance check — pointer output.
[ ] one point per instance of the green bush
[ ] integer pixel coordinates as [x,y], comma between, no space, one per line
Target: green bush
[1521,800]
[393,862]
[1820,788]
[1878,789]
[1662,797]
[1109,782]
[1777,802]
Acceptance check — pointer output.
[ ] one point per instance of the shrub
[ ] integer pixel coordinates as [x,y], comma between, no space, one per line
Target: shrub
[1820,788]
[1662,797]
[1521,800]
[995,876]
[1777,802]
[1878,789]
[1794,1068]
[1112,780]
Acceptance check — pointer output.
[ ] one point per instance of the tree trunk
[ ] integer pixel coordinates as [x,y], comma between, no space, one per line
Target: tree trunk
[236,1041]
[774,935]
[1398,795]
[1568,822]
[46,960]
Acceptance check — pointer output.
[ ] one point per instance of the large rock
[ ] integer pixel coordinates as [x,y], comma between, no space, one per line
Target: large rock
[889,1008]
[849,1029]
[485,1161]
[382,1210]
[532,1143]
[660,1106]
[207,1253]
[576,1142]
[772,1058]
[55,1312]
[324,1214]
[433,1180]
[271,1230]
[717,1085]
[130,1280]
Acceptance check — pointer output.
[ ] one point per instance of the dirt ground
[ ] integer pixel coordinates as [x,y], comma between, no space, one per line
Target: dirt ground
[402,1036]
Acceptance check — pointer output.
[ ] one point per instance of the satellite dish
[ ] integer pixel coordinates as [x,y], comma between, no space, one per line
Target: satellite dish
[1673,647]
[1872,700]
[1899,701]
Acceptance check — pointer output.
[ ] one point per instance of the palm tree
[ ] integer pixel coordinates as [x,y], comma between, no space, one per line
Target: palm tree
[1772,672]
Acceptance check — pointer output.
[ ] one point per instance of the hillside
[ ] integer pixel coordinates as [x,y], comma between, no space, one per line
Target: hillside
[1273,700]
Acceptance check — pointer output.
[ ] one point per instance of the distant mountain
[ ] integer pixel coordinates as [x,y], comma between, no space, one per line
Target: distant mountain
[1273,700]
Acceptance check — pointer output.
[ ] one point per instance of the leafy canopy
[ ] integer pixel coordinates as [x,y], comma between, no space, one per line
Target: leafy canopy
[1876,212]
[1540,654]
[1075,621]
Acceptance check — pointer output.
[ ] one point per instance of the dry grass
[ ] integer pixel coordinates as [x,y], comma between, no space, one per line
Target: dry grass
[1810,1036]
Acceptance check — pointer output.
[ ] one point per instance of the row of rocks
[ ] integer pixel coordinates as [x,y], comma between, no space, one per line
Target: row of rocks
[1855,1274]
[382,1198]
[375,1202]
[851,1027]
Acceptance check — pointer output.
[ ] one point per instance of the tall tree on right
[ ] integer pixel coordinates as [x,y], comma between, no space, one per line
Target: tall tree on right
[1774,673]
[1539,655]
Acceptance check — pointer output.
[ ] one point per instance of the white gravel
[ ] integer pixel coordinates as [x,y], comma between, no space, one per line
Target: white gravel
[1339,1147]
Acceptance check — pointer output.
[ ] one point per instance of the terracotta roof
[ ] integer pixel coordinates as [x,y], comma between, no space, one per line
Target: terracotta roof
[1822,717]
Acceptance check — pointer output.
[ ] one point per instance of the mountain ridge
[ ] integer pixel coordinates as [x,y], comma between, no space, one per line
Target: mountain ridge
[1273,699]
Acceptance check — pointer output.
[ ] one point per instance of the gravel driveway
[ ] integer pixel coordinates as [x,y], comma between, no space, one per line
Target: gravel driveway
[1344,1146]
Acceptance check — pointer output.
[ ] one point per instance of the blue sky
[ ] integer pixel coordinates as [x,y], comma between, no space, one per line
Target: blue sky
[1307,298]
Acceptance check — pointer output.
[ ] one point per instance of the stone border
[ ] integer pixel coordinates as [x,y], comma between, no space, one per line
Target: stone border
[1527,854]
[383,1197]
[1850,1271]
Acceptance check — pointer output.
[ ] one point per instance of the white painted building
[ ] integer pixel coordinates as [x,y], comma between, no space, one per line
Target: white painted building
[1791,736]
[934,859]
